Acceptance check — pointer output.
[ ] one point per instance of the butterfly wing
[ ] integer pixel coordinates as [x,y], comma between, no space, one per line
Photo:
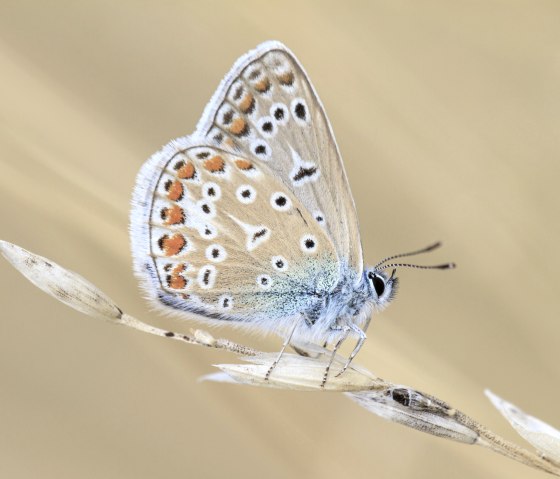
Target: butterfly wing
[267,108]
[217,235]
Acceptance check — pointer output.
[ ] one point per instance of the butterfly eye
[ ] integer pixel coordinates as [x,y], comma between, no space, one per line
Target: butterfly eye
[378,283]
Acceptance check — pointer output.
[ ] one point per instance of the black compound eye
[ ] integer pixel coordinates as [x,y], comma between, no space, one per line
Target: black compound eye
[378,284]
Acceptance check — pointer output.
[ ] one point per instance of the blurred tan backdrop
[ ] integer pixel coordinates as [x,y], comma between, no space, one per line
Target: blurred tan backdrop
[447,114]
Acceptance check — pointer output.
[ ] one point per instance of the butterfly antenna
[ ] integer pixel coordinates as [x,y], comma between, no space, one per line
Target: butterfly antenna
[427,249]
[418,266]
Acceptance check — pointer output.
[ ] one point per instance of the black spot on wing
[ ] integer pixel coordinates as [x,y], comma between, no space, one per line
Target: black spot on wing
[258,234]
[305,173]
[300,111]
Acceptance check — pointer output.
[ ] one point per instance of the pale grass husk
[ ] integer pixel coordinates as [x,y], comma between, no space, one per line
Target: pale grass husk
[301,373]
[542,436]
[62,284]
[393,402]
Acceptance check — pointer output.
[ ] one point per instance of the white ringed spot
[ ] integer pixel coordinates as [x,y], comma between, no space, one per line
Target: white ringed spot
[280,201]
[246,194]
[208,231]
[279,263]
[206,208]
[267,127]
[261,149]
[264,281]
[280,113]
[211,191]
[225,302]
[319,217]
[207,276]
[300,111]
[216,253]
[308,244]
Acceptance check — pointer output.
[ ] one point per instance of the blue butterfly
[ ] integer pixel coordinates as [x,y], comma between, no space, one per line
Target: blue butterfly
[250,220]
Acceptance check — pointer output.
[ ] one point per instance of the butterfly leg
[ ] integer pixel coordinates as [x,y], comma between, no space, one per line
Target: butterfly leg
[346,331]
[361,338]
[284,346]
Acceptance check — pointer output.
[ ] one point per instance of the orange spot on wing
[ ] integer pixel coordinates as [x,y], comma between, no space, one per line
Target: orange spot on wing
[247,103]
[243,164]
[175,280]
[229,142]
[214,164]
[174,215]
[263,85]
[175,191]
[286,78]
[179,268]
[187,171]
[238,126]
[172,245]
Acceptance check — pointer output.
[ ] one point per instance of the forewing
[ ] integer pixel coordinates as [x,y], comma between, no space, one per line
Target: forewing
[267,108]
[216,234]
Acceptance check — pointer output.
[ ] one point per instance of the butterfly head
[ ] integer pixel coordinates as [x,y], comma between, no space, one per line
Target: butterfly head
[381,287]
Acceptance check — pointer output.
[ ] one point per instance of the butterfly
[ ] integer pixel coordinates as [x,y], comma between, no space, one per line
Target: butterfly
[250,220]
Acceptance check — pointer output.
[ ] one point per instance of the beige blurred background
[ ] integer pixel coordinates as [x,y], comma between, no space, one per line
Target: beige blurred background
[448,117]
